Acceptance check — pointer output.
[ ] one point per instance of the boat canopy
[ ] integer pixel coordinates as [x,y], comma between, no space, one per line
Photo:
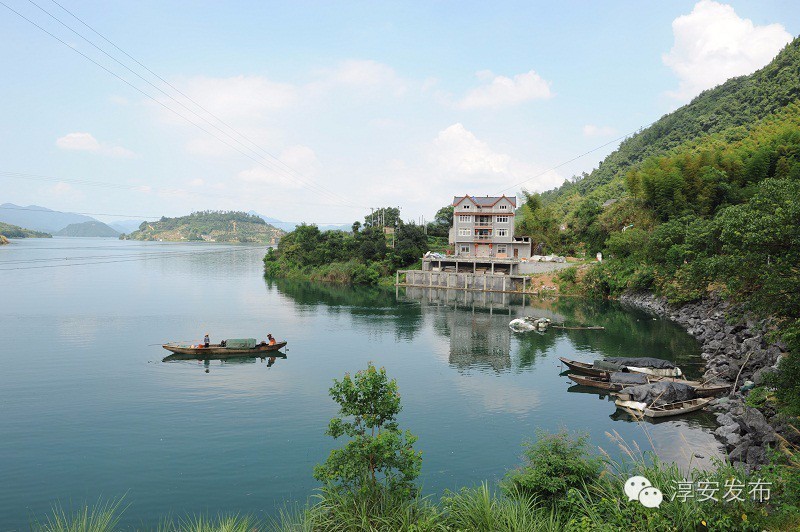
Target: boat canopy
[641,362]
[660,393]
[240,343]
[619,377]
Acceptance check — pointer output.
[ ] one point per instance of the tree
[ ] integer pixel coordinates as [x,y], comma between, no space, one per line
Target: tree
[356,226]
[388,216]
[379,456]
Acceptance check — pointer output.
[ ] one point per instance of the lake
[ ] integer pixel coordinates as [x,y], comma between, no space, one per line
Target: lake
[89,410]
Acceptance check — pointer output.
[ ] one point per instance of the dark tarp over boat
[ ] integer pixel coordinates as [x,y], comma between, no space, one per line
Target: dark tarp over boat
[607,366]
[660,393]
[641,362]
[619,377]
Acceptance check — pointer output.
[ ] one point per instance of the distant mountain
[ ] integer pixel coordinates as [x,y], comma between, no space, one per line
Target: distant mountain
[91,228]
[40,218]
[290,226]
[126,226]
[210,226]
[13,231]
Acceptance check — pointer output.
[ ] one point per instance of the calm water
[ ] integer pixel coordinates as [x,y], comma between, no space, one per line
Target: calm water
[87,408]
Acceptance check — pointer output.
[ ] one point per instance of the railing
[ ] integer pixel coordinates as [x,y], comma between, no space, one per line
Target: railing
[483,224]
[483,237]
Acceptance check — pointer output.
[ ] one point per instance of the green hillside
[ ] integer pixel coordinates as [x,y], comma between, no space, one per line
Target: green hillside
[716,209]
[14,231]
[209,226]
[733,106]
[92,228]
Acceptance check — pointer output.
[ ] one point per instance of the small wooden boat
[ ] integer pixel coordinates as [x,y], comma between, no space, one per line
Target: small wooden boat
[585,369]
[217,351]
[671,409]
[702,390]
[595,382]
[588,369]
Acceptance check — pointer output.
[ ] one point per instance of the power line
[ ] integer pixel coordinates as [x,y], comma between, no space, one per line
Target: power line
[128,259]
[313,187]
[138,188]
[73,15]
[619,139]
[84,213]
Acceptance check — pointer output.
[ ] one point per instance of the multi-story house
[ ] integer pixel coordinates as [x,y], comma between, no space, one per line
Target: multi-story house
[483,227]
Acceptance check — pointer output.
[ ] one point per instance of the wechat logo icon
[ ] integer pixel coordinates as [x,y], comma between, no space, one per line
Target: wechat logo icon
[642,490]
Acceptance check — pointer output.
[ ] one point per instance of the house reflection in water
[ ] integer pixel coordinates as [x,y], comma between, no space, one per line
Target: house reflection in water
[475,322]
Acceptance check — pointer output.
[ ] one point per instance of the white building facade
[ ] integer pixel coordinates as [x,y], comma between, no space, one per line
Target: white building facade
[483,227]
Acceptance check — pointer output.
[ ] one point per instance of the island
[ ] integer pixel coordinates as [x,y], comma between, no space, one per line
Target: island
[14,231]
[209,226]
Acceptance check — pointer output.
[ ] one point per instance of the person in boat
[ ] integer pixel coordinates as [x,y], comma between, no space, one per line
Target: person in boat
[271,339]
[206,340]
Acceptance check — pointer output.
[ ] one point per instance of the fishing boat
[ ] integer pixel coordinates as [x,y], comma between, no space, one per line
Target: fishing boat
[607,368]
[231,348]
[585,369]
[670,409]
[702,390]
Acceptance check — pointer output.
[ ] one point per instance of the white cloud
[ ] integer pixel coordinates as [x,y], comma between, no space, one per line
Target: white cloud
[457,150]
[362,75]
[591,130]
[502,91]
[86,142]
[301,159]
[713,44]
[238,98]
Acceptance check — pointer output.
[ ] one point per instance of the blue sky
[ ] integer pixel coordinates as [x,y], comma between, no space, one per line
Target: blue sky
[338,107]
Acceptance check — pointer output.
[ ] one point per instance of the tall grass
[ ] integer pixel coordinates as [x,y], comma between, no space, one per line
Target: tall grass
[103,516]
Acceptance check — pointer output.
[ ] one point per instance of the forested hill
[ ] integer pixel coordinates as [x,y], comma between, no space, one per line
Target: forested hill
[739,102]
[14,231]
[209,226]
[92,229]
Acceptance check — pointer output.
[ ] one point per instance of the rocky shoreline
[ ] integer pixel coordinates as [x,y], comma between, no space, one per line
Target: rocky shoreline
[735,351]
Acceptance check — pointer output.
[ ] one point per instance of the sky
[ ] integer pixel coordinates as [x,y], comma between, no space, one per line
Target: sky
[319,111]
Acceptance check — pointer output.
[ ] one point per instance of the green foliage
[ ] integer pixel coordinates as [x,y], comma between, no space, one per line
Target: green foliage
[480,509]
[442,222]
[102,517]
[14,231]
[728,111]
[378,456]
[365,256]
[553,464]
[220,523]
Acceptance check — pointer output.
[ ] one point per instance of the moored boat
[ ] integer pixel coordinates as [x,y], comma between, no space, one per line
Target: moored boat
[702,390]
[605,369]
[670,409]
[585,369]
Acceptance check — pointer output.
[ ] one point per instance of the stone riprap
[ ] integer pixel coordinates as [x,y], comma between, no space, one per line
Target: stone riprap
[736,351]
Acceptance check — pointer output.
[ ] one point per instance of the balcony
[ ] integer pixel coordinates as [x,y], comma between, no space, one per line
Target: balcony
[483,224]
[483,237]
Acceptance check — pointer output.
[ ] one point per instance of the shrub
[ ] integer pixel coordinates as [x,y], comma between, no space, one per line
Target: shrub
[379,456]
[553,464]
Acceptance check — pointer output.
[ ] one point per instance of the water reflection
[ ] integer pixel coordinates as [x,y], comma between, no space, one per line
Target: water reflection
[373,307]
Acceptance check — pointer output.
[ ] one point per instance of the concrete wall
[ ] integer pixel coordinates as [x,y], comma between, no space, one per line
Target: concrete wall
[463,281]
[527,268]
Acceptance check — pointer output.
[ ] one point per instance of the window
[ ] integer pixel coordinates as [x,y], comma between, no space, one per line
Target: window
[466,206]
[464,231]
[503,207]
[501,219]
[501,248]
[464,248]
[502,232]
[464,218]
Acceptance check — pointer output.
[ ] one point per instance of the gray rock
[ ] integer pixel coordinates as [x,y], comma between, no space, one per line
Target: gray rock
[756,456]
